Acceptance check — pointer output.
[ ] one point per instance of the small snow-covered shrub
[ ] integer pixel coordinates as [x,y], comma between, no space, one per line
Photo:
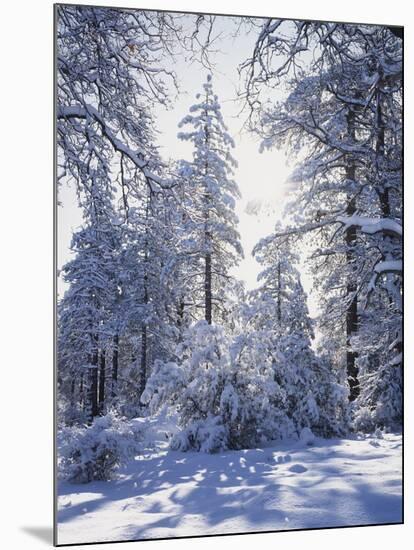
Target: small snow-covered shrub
[379,404]
[94,453]
[364,420]
[165,384]
[380,401]
[306,436]
[208,436]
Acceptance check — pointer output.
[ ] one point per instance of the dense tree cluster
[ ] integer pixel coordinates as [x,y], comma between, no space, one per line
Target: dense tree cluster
[343,119]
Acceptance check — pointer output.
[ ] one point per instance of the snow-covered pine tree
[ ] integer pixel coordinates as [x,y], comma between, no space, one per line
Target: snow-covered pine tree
[208,246]
[279,281]
[149,286]
[279,311]
[214,241]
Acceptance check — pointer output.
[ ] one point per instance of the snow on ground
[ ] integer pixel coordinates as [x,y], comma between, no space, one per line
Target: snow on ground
[285,486]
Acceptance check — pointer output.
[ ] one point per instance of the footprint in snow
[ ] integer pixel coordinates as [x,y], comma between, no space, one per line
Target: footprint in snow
[298,469]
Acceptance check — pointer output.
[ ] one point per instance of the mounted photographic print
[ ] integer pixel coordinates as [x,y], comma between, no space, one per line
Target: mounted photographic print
[229,274]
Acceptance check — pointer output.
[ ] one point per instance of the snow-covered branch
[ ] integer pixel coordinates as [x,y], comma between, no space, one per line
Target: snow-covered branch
[371,226]
[388,266]
[88,111]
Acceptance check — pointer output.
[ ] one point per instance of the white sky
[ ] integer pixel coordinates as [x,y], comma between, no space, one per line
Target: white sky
[260,176]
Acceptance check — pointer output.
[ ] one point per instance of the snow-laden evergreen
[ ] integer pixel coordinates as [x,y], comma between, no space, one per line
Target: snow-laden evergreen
[279,312]
[87,309]
[211,222]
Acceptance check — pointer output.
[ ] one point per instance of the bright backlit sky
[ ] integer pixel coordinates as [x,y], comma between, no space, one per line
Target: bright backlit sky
[260,176]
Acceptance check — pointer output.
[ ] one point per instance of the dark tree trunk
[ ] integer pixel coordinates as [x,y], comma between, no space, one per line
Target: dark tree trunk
[101,394]
[207,289]
[279,298]
[351,320]
[81,395]
[93,386]
[72,392]
[383,193]
[143,366]
[208,299]
[351,289]
[115,352]
[180,313]
[144,329]
[384,197]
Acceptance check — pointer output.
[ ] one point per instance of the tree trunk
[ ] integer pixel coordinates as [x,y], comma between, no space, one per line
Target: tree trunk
[101,394]
[81,394]
[351,288]
[279,304]
[207,289]
[383,193]
[144,331]
[72,392]
[115,352]
[143,369]
[207,234]
[93,385]
[180,313]
[351,317]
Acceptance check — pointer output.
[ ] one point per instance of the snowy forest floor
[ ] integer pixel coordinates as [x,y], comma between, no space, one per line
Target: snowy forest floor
[284,486]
